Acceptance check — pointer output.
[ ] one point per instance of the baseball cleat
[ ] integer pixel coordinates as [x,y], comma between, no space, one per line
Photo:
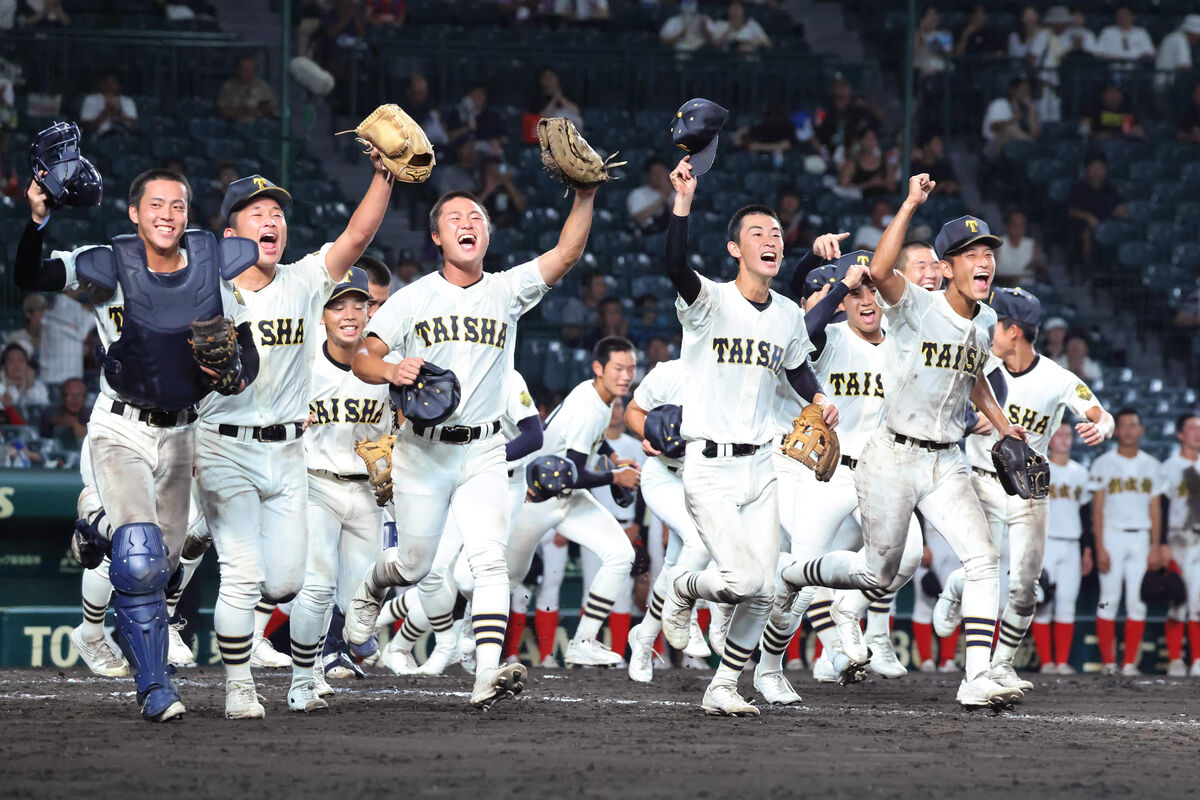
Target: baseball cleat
[823,671]
[1002,672]
[400,662]
[444,654]
[795,665]
[848,670]
[590,653]
[1065,669]
[303,696]
[723,700]
[362,615]
[322,686]
[696,646]
[947,614]
[884,661]
[99,656]
[983,692]
[928,665]
[1130,671]
[687,662]
[178,652]
[1195,670]
[498,684]
[548,662]
[850,632]
[774,687]
[1177,669]
[1049,668]
[364,651]
[174,710]
[718,626]
[264,655]
[1108,668]
[241,700]
[949,667]
[641,656]
[677,618]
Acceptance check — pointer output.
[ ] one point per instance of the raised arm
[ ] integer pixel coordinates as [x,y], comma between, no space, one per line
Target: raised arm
[363,224]
[30,272]
[555,264]
[685,279]
[888,282]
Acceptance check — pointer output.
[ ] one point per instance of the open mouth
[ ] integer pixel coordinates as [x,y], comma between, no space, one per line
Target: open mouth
[467,241]
[982,279]
[867,316]
[268,242]
[769,257]
[165,230]
[348,330]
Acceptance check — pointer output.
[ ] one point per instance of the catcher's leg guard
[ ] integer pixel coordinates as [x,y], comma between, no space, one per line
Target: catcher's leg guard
[140,574]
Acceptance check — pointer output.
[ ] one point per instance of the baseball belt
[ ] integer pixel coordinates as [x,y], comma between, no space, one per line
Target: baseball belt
[847,461]
[922,443]
[714,450]
[152,417]
[456,434]
[335,476]
[987,473]
[283,432]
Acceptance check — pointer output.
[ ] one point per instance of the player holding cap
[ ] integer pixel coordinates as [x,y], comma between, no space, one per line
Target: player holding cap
[1181,486]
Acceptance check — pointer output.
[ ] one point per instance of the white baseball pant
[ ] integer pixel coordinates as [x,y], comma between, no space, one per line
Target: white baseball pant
[1128,550]
[1185,549]
[1062,563]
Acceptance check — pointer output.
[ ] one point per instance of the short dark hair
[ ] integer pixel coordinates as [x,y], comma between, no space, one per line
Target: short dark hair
[435,213]
[1017,80]
[735,222]
[1182,419]
[608,301]
[377,271]
[1125,411]
[657,338]
[62,387]
[646,298]
[1095,156]
[609,345]
[138,188]
[652,161]
[1030,332]
[15,348]
[911,244]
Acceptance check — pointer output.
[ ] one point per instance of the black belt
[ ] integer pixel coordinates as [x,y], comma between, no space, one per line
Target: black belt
[457,434]
[1134,530]
[922,443]
[711,449]
[847,461]
[267,433]
[512,472]
[336,476]
[987,473]
[671,469]
[155,417]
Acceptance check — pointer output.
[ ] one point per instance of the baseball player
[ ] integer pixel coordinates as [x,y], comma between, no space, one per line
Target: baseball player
[140,432]
[1065,565]
[1180,482]
[939,347]
[740,341]
[250,461]
[464,320]
[937,564]
[1126,484]
[1039,393]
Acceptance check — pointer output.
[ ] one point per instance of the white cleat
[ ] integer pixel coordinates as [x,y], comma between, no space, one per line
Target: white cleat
[949,668]
[795,665]
[303,696]
[1003,673]
[1177,669]
[1195,671]
[1049,669]
[590,653]
[848,670]
[362,615]
[641,656]
[99,656]
[1065,669]
[321,685]
[1130,671]
[947,614]
[400,662]
[983,692]
[718,626]
[241,700]
[173,711]
[1108,668]
[501,683]
[823,671]
[851,634]
[687,662]
[723,700]
[445,654]
[676,619]
[884,661]
[549,662]
[264,655]
[696,646]
[775,688]
[928,665]
[178,652]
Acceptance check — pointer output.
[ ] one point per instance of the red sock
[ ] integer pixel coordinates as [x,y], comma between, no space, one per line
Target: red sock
[275,622]
[923,636]
[1106,638]
[1194,640]
[659,647]
[793,648]
[618,629]
[1064,634]
[512,636]
[1174,639]
[703,616]
[1041,642]
[817,649]
[546,625]
[949,647]
[1133,640]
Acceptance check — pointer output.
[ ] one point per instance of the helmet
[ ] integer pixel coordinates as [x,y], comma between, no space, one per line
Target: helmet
[68,178]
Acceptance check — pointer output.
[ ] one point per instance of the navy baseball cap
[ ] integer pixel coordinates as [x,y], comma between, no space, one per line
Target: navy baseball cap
[835,270]
[243,190]
[959,234]
[1017,305]
[695,130]
[355,282]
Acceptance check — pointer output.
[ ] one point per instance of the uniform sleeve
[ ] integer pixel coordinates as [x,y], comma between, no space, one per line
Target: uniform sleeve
[909,307]
[699,315]
[648,395]
[1077,395]
[67,257]
[232,304]
[799,346]
[316,275]
[526,287]
[520,402]
[583,429]
[1160,484]
[1085,495]
[392,321]
[1097,476]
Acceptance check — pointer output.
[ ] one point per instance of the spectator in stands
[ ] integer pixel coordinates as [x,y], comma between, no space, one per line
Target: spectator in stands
[461,175]
[246,96]
[687,30]
[649,320]
[33,308]
[1054,338]
[8,102]
[610,321]
[1125,41]
[1188,129]
[424,110]
[775,134]
[869,233]
[8,14]
[65,328]
[579,312]
[11,177]
[1182,343]
[737,32]
[1030,40]
[1010,118]
[47,14]
[68,421]
[1076,357]
[107,111]
[930,156]
[1111,116]
[931,45]
[649,205]
[342,28]
[1065,35]
[474,116]
[797,230]
[548,99]
[977,38]
[227,173]
[18,378]
[581,10]
[844,114]
[658,350]
[1175,50]
[1091,201]
[1019,259]
[407,270]
[386,12]
[867,168]
[500,197]
[183,10]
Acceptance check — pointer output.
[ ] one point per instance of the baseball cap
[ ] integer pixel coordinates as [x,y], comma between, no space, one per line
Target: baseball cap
[1055,322]
[355,282]
[1191,24]
[243,190]
[835,270]
[694,130]
[34,303]
[959,234]
[1017,305]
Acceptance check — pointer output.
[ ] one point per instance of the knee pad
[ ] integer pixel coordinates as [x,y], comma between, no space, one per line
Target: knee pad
[139,559]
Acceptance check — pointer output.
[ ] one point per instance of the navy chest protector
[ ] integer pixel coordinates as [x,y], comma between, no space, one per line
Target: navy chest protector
[151,364]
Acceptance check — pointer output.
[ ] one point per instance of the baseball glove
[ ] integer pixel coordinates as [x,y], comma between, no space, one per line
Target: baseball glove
[567,156]
[813,443]
[405,149]
[1022,472]
[215,346]
[377,455]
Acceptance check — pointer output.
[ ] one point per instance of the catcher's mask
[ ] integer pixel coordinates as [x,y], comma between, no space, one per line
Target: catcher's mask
[68,178]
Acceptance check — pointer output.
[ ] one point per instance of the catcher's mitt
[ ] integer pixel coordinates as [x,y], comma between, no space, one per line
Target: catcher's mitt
[567,156]
[406,151]
[377,455]
[813,443]
[1022,472]
[215,346]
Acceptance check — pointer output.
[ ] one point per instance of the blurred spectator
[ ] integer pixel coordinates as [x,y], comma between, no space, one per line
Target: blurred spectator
[797,230]
[737,32]
[1076,358]
[871,231]
[775,134]
[977,38]
[227,173]
[68,421]
[930,156]
[424,111]
[1091,201]
[18,379]
[459,176]
[1030,40]
[46,14]
[1175,50]
[407,270]
[687,30]
[1066,34]
[246,96]
[182,10]
[1188,129]
[33,308]
[649,204]
[1125,41]
[1010,118]
[502,200]
[1054,338]
[65,328]
[579,312]
[1019,259]
[106,110]
[648,323]
[341,29]
[581,10]
[658,350]
[474,116]
[8,14]
[10,175]
[386,12]
[1112,116]
[867,168]
[844,114]
[548,99]
[931,45]
[610,321]
[1182,343]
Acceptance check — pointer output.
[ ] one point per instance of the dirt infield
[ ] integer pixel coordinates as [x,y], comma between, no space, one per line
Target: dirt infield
[596,734]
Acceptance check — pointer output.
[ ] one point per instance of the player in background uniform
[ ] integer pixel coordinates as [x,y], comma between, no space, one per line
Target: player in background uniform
[249,457]
[1127,523]
[575,430]
[142,452]
[464,320]
[379,282]
[740,341]
[1064,563]
[1039,393]
[939,344]
[1179,481]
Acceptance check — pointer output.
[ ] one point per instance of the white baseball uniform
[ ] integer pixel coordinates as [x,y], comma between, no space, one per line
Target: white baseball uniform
[1128,486]
[1183,532]
[624,446]
[1069,492]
